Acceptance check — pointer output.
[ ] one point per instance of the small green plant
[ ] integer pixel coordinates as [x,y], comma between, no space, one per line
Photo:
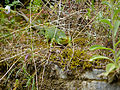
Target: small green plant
[7,1]
[29,78]
[113,22]
[36,6]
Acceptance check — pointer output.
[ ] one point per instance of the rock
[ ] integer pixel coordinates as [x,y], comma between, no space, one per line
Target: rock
[93,74]
[73,85]
[92,82]
[99,85]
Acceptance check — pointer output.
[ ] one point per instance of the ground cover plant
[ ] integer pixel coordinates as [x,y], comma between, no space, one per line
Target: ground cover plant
[44,43]
[114,24]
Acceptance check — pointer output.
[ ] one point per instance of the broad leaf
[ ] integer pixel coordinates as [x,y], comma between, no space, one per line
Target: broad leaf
[93,58]
[107,22]
[96,47]
[116,26]
[109,68]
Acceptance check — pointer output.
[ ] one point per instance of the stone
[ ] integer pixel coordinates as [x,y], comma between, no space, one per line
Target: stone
[93,74]
[99,85]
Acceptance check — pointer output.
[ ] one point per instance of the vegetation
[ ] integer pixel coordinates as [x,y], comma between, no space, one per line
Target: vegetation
[42,41]
[113,23]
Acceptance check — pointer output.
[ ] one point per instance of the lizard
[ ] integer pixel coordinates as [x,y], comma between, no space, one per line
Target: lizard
[51,33]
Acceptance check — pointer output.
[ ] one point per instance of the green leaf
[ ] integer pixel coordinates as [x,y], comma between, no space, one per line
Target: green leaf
[116,26]
[118,53]
[109,68]
[93,58]
[115,15]
[112,2]
[33,84]
[107,22]
[117,59]
[107,3]
[28,82]
[117,43]
[95,47]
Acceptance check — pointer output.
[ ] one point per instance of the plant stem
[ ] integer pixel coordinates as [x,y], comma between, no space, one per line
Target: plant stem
[113,37]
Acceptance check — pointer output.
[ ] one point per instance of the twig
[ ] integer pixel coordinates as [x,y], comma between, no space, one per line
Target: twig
[13,56]
[83,28]
[64,18]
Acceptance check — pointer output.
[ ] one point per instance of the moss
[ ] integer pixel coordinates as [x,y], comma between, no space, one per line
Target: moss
[81,40]
[79,59]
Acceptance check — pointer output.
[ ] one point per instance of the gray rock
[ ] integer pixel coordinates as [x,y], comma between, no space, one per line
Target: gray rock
[93,74]
[99,85]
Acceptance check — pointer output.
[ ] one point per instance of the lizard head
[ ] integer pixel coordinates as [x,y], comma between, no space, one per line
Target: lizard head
[65,40]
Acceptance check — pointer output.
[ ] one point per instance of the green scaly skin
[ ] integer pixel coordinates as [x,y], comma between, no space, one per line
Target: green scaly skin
[51,33]
[56,35]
